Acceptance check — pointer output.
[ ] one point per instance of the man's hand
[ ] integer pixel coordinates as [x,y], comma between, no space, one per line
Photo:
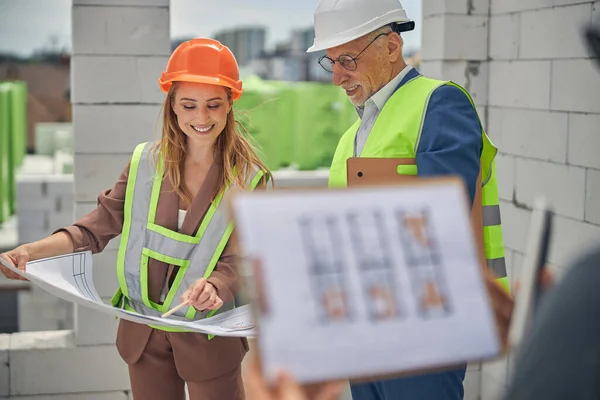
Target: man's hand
[286,387]
[17,257]
[202,295]
[503,303]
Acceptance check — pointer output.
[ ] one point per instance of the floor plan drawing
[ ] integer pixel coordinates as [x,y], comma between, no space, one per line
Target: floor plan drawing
[375,264]
[320,236]
[376,269]
[423,262]
[80,277]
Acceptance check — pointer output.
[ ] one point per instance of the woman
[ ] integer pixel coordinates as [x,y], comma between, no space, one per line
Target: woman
[168,207]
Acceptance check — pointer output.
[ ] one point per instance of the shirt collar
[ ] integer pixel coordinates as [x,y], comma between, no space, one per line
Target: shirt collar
[382,96]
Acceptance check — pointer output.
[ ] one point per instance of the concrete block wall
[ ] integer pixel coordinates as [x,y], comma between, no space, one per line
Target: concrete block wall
[120,47]
[116,105]
[539,99]
[45,203]
[49,365]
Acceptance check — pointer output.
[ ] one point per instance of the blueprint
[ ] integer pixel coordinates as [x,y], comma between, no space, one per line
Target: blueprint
[386,275]
[70,277]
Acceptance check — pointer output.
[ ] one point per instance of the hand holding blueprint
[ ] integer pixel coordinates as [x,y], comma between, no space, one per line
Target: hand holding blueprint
[70,278]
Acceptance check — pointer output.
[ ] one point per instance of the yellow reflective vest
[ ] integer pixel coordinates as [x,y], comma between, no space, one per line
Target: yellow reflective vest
[397,134]
[142,239]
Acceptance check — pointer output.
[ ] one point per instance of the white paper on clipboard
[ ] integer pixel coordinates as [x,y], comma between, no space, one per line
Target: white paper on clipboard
[386,275]
[535,258]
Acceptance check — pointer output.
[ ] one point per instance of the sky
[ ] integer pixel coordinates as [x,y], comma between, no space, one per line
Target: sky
[27,25]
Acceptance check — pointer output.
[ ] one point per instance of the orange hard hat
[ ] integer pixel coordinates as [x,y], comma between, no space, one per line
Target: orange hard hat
[203,60]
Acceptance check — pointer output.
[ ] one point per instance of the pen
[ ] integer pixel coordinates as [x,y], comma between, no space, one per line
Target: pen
[173,310]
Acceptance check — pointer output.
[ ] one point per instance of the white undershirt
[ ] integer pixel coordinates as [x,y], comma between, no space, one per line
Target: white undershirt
[180,219]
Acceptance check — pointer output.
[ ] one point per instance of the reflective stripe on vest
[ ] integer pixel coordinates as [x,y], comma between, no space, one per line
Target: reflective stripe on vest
[397,134]
[196,256]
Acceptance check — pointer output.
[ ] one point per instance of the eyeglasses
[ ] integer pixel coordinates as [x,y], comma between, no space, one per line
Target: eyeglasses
[345,60]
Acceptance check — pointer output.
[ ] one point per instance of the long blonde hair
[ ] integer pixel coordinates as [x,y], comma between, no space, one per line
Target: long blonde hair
[233,151]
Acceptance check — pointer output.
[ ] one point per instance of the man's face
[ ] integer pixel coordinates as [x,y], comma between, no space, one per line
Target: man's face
[372,67]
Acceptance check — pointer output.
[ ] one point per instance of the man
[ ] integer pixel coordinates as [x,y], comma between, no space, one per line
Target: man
[406,115]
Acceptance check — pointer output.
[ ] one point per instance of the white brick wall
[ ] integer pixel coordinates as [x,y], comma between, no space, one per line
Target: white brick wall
[543,112]
[106,281]
[542,36]
[519,132]
[524,84]
[474,7]
[116,105]
[116,79]
[44,204]
[455,37]
[567,2]
[139,3]
[563,185]
[504,36]
[97,172]
[505,169]
[472,75]
[493,378]
[472,382]
[55,366]
[41,311]
[515,219]
[592,199]
[584,140]
[134,124]
[509,6]
[4,366]
[570,238]
[93,327]
[575,86]
[126,30]
[120,47]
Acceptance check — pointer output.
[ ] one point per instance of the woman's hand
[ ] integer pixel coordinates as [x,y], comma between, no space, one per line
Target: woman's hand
[18,257]
[202,295]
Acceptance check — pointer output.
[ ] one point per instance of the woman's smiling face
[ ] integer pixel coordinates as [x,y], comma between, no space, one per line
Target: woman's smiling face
[201,110]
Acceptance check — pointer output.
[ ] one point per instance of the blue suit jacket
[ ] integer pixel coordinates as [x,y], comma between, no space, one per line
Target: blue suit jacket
[451,142]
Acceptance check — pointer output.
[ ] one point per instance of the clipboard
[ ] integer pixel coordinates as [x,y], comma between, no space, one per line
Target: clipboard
[364,171]
[538,243]
[374,171]
[377,171]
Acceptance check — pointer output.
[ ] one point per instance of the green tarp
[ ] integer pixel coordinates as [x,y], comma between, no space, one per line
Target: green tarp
[13,141]
[295,124]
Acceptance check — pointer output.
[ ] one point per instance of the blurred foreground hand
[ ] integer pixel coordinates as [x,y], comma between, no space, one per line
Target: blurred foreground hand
[503,303]
[286,388]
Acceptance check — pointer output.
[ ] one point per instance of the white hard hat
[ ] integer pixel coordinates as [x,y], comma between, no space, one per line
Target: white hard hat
[341,21]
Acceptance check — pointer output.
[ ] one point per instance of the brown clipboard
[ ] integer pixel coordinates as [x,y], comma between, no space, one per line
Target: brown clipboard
[363,171]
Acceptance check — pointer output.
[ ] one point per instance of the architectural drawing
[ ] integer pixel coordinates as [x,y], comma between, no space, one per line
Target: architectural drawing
[376,268]
[320,237]
[79,276]
[424,262]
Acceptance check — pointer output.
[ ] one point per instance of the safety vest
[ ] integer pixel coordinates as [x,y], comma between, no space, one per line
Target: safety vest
[142,239]
[396,134]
